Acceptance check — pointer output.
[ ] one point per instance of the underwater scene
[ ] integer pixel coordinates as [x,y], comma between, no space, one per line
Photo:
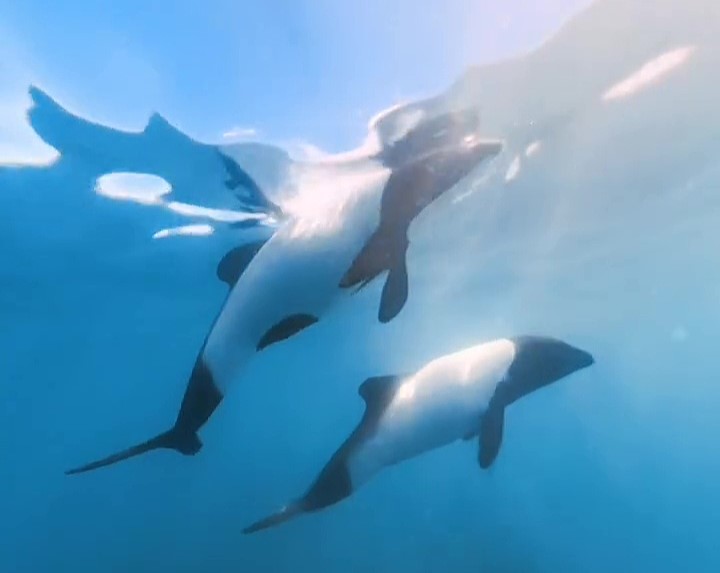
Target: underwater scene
[390,286]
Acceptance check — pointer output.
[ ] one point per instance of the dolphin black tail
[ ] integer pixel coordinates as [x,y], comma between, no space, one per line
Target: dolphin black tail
[183,442]
[285,514]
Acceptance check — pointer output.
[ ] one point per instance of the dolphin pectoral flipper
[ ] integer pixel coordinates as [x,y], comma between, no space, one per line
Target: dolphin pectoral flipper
[372,260]
[384,251]
[287,327]
[394,293]
[491,434]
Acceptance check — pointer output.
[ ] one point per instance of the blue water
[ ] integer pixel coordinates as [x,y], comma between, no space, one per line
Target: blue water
[598,224]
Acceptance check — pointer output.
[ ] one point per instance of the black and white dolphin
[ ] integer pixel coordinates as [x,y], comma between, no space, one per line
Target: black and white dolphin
[456,397]
[284,285]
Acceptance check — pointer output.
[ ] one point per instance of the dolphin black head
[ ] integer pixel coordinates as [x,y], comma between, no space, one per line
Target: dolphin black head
[430,135]
[417,184]
[540,361]
[408,191]
[452,163]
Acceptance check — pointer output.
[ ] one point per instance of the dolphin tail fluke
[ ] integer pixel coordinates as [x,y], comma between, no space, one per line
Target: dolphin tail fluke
[183,442]
[285,514]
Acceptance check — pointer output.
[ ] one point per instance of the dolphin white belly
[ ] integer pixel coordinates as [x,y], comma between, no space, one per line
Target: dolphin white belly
[296,272]
[443,402]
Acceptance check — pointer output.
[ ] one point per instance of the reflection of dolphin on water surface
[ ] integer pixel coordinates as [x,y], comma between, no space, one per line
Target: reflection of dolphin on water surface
[200,174]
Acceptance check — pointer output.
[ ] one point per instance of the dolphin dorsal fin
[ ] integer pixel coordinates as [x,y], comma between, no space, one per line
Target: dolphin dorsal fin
[378,391]
[235,261]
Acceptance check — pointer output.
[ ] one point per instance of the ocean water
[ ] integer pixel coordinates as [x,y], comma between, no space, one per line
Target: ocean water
[597,223]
